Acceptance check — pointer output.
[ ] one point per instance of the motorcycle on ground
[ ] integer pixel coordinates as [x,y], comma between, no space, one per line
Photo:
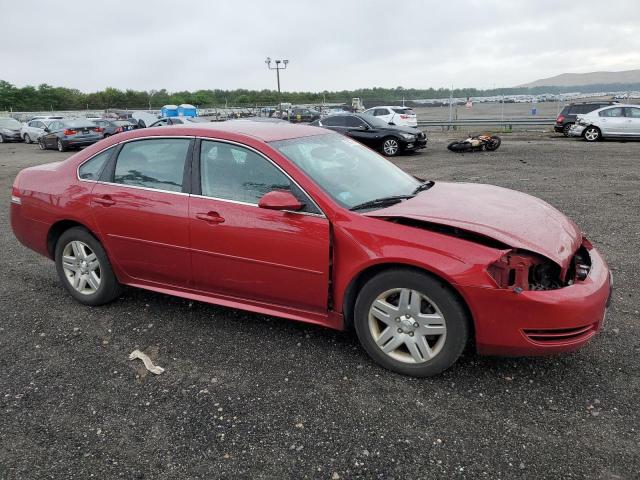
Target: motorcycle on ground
[476,143]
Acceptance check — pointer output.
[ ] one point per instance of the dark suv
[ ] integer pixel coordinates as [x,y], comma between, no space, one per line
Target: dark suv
[569,114]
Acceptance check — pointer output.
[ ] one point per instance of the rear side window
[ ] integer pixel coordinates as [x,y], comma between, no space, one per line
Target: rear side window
[612,112]
[633,112]
[378,112]
[91,169]
[334,121]
[155,163]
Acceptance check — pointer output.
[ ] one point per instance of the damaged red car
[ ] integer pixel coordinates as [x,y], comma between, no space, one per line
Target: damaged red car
[302,223]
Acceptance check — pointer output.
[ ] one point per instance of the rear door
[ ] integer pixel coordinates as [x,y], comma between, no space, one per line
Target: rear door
[243,251]
[632,125]
[141,207]
[612,121]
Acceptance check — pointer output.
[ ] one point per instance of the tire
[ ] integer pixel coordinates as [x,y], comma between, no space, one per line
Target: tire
[592,134]
[85,275]
[409,351]
[27,138]
[390,146]
[41,144]
[106,135]
[459,147]
[61,147]
[566,128]
[493,144]
[1,139]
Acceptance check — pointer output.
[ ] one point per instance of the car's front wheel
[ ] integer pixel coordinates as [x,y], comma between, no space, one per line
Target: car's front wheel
[27,138]
[41,144]
[390,147]
[410,323]
[84,269]
[592,134]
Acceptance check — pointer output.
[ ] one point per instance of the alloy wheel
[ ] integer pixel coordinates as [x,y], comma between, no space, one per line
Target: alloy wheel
[81,267]
[591,134]
[390,146]
[27,138]
[41,144]
[407,326]
[60,147]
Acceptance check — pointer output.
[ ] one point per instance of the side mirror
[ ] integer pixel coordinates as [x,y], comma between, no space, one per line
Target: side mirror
[46,130]
[364,126]
[279,200]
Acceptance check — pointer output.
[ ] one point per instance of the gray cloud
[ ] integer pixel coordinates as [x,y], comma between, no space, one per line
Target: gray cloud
[332,45]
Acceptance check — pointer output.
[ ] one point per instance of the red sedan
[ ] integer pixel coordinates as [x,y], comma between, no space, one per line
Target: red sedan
[302,223]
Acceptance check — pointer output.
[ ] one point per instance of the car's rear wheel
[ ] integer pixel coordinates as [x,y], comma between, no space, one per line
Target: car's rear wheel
[1,139]
[566,128]
[592,134]
[61,147]
[390,147]
[27,138]
[84,269]
[410,323]
[106,135]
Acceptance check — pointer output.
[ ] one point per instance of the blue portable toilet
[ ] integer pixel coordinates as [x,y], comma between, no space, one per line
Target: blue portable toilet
[187,110]
[169,111]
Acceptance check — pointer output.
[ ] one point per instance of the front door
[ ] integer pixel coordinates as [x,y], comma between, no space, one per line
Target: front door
[241,250]
[142,212]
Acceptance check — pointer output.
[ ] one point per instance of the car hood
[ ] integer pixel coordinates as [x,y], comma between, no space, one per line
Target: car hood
[513,218]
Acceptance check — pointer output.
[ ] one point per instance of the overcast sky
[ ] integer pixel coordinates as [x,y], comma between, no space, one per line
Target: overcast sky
[331,45]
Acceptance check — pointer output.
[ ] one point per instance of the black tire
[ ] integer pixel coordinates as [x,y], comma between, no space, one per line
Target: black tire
[592,134]
[566,128]
[455,318]
[60,145]
[27,138]
[459,146]
[41,144]
[106,135]
[1,139]
[390,146]
[493,144]
[109,288]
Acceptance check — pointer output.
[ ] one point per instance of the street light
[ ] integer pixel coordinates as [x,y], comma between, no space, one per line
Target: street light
[280,65]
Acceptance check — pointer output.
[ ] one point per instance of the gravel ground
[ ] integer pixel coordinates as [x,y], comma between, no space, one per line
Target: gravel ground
[248,396]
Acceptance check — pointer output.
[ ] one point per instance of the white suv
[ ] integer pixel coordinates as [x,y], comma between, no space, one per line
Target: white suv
[400,116]
[610,121]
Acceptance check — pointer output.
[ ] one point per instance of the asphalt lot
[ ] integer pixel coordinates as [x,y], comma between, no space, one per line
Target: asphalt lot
[247,396]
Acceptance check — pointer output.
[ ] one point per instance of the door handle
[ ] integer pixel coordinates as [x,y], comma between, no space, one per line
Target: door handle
[210,217]
[105,201]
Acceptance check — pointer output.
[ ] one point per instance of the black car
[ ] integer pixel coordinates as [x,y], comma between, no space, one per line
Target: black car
[10,130]
[569,114]
[111,127]
[65,134]
[299,115]
[375,133]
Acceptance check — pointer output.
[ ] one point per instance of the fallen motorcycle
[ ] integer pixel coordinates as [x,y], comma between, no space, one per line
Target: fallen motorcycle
[476,143]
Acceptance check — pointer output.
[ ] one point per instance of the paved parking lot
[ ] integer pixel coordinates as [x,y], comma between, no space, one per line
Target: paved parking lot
[245,395]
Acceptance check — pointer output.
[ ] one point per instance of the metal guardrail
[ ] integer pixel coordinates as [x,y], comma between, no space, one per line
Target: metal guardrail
[505,122]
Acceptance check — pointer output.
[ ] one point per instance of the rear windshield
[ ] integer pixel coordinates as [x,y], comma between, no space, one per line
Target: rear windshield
[403,111]
[79,124]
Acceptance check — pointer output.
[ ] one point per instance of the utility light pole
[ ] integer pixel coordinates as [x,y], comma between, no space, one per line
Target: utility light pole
[280,65]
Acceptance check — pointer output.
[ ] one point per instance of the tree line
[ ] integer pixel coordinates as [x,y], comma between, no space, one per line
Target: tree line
[47,97]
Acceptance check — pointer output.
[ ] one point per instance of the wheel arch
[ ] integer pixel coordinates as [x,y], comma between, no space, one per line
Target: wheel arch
[58,228]
[362,277]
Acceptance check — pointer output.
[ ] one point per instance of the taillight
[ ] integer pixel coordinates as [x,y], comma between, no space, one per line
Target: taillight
[69,132]
[404,117]
[98,129]
[560,119]
[119,130]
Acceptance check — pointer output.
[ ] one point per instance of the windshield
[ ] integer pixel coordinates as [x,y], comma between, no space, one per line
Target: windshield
[10,123]
[349,172]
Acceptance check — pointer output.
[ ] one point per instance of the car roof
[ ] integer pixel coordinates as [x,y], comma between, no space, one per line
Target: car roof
[265,131]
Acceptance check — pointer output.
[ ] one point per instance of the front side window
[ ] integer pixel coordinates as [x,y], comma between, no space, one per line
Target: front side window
[612,112]
[349,172]
[231,172]
[91,169]
[154,163]
[354,122]
[334,121]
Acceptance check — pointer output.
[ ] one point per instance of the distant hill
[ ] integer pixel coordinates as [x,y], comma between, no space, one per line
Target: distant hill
[580,79]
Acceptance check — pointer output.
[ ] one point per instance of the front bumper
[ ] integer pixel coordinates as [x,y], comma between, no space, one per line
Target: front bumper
[541,322]
[413,145]
[12,137]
